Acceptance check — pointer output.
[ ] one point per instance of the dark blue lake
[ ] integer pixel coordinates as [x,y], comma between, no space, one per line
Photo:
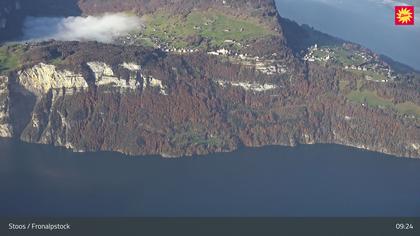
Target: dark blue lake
[318,180]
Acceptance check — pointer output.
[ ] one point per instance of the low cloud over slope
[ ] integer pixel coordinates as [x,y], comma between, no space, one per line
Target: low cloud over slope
[104,28]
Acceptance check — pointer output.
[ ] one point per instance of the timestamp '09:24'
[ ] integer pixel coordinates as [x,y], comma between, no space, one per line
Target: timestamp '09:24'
[404,226]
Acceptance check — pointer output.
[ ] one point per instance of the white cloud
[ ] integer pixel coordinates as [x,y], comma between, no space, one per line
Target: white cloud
[104,28]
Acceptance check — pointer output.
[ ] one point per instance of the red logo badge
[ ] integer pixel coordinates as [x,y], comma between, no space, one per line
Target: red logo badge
[404,15]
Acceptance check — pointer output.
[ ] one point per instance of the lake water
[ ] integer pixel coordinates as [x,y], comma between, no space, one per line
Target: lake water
[368,22]
[318,180]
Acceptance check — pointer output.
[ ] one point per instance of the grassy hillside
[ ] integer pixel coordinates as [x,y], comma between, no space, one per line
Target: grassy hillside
[372,99]
[201,27]
[10,58]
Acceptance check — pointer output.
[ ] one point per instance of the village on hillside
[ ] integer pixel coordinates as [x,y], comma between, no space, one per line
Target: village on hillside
[353,59]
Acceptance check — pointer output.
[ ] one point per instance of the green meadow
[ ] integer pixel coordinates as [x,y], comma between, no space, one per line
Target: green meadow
[372,99]
[215,27]
[10,58]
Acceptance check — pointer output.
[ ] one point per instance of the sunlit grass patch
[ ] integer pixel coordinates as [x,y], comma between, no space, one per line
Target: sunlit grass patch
[408,108]
[216,27]
[371,99]
[10,57]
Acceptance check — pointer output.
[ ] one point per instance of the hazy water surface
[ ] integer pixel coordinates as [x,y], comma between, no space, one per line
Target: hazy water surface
[319,180]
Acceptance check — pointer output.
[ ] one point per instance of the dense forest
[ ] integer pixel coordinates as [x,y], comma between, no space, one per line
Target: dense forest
[139,99]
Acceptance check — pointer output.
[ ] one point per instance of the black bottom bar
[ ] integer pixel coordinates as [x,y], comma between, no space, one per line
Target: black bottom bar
[212,226]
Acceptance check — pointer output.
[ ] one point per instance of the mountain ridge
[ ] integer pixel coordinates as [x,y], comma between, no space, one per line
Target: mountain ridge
[200,98]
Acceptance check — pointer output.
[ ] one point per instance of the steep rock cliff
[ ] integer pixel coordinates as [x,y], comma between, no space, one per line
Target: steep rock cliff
[136,100]
[6,129]
[147,102]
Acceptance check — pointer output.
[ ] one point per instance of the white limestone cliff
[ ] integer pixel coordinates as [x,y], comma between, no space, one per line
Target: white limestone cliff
[104,75]
[40,78]
[155,83]
[247,86]
[6,129]
[131,66]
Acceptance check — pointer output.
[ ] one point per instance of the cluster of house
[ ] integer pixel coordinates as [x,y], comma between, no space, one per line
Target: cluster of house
[375,67]
[369,62]
[310,56]
[354,67]
[178,50]
[265,66]
[221,52]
